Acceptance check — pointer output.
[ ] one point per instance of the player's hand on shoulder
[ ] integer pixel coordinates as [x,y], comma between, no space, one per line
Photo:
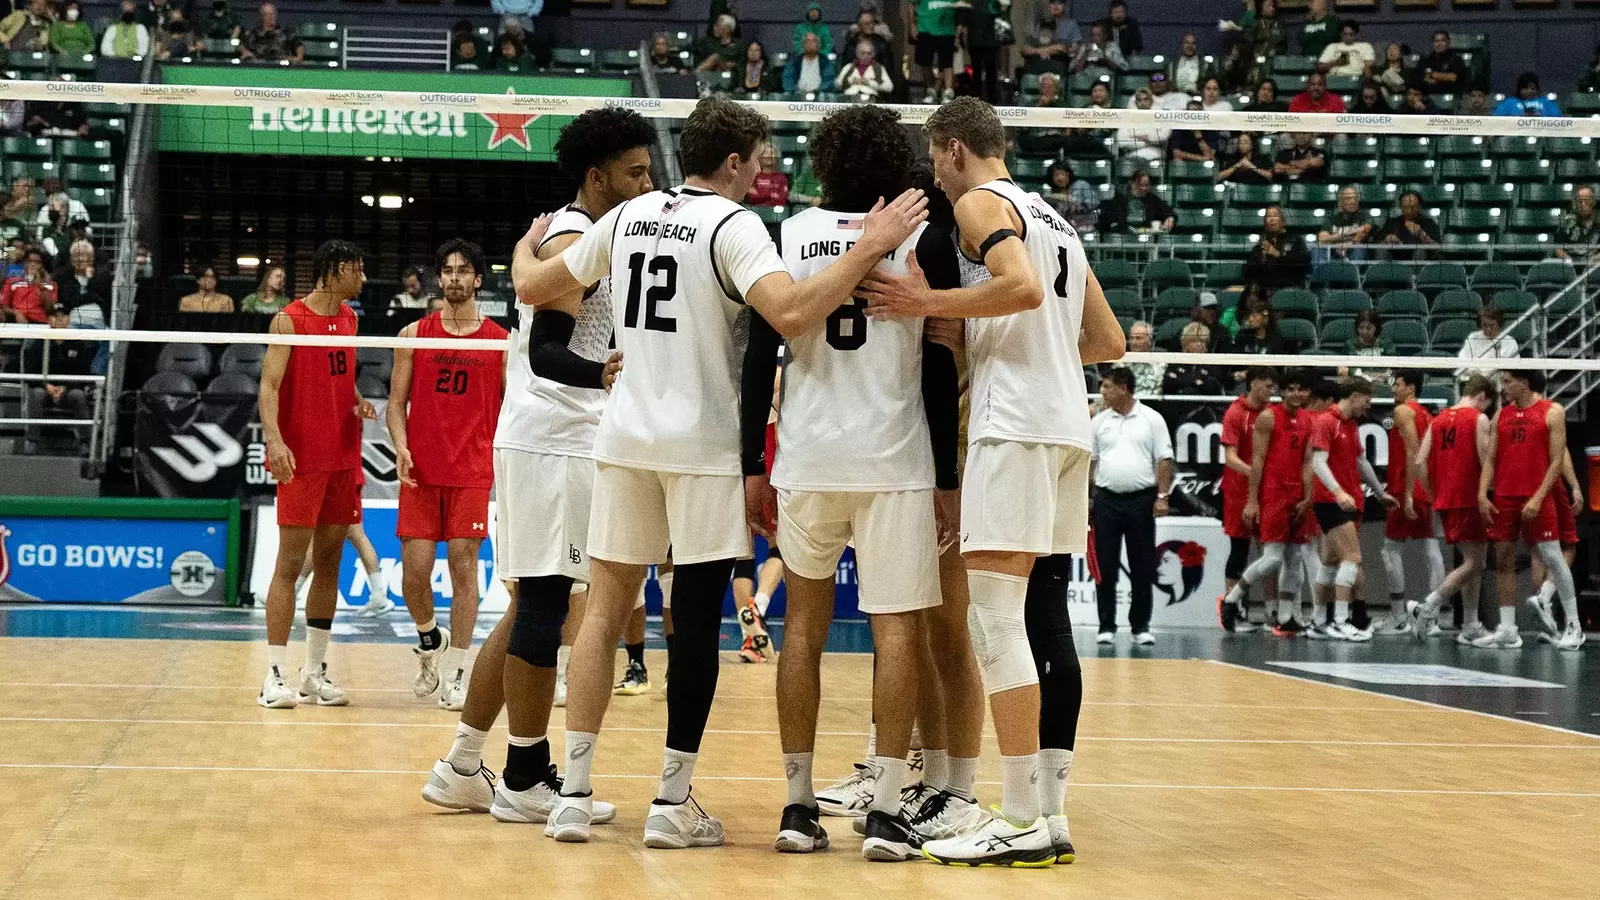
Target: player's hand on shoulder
[888,225]
[890,295]
[537,230]
[613,370]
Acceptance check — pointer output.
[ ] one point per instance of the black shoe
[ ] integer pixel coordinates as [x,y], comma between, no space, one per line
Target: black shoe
[890,838]
[1288,630]
[800,832]
[1227,614]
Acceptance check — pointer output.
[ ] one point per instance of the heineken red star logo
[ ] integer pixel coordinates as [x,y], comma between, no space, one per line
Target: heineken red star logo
[509,127]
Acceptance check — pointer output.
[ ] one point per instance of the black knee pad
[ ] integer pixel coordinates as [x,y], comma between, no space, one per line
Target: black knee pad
[541,611]
[1238,558]
[744,568]
[1049,623]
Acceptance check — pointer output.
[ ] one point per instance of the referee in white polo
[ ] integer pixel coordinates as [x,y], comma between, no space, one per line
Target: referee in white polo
[1131,470]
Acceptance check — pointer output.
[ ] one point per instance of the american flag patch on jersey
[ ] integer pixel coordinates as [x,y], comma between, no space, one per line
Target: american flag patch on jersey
[855,224]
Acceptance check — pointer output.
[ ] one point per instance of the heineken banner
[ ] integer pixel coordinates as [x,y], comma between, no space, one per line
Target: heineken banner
[267,121]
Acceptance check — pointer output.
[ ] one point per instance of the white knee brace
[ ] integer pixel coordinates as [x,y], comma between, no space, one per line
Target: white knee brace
[1326,574]
[1347,574]
[1000,634]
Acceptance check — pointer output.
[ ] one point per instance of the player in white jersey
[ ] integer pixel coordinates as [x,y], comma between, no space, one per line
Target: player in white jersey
[1036,316]
[683,264]
[560,358]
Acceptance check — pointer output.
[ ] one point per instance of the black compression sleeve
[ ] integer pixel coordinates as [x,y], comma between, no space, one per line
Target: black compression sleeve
[941,397]
[550,357]
[755,394]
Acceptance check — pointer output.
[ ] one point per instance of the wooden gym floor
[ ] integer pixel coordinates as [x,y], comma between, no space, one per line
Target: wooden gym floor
[143,768]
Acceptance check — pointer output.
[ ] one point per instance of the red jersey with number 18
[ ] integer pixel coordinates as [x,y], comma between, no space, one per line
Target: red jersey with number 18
[455,405]
[317,400]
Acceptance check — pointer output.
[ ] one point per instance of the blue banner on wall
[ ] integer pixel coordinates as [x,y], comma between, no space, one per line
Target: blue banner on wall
[83,560]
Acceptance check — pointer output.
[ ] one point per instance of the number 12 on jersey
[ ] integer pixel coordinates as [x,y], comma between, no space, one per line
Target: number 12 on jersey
[664,286]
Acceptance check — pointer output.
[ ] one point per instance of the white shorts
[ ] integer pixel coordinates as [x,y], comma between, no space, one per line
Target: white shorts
[542,522]
[639,513]
[1025,498]
[896,541]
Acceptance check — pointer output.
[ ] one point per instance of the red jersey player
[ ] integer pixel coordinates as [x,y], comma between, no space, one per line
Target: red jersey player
[1412,519]
[1238,429]
[1339,466]
[1523,467]
[1276,491]
[443,444]
[1450,462]
[311,417]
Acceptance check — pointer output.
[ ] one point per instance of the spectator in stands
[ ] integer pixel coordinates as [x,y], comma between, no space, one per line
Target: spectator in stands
[1147,142]
[1099,52]
[1266,98]
[1475,103]
[1301,160]
[1188,70]
[13,115]
[1488,342]
[1053,42]
[1394,74]
[175,39]
[1211,99]
[1208,312]
[16,252]
[1529,100]
[1044,141]
[126,38]
[1417,103]
[1122,28]
[1590,81]
[1137,209]
[1371,100]
[1258,327]
[1192,144]
[1442,71]
[979,28]
[1233,315]
[1348,228]
[804,187]
[1320,29]
[869,26]
[771,186]
[808,71]
[70,35]
[663,59]
[1368,341]
[269,42]
[20,205]
[511,57]
[812,24]
[1190,379]
[28,298]
[864,78]
[1315,98]
[757,76]
[1148,378]
[84,290]
[1163,96]
[270,296]
[1263,36]
[1248,165]
[207,299]
[27,30]
[1240,71]
[1089,141]
[56,197]
[1350,56]
[414,291]
[1074,198]
[1579,231]
[154,14]
[519,11]
[1410,228]
[63,399]
[56,118]
[1280,258]
[222,23]
[465,57]
[720,51]
[933,33]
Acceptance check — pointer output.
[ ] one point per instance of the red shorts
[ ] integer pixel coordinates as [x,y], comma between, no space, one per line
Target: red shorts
[321,498]
[1278,525]
[1566,522]
[1508,523]
[1399,528]
[432,513]
[1233,515]
[1463,526]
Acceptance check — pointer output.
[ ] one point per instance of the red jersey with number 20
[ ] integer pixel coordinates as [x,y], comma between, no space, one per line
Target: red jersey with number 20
[1453,463]
[1522,454]
[317,400]
[1341,437]
[455,404]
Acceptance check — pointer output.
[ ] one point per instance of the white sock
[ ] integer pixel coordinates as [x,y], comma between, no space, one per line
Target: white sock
[1019,791]
[676,773]
[466,754]
[453,660]
[316,649]
[892,775]
[1547,591]
[515,741]
[275,656]
[580,747]
[963,779]
[872,741]
[375,585]
[1055,771]
[1508,618]
[916,737]
[1288,610]
[562,655]
[1341,611]
[665,581]
[797,772]
[762,602]
[1319,612]
[1433,601]
[936,769]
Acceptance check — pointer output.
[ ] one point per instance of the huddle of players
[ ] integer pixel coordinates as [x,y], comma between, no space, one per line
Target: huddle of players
[1294,478]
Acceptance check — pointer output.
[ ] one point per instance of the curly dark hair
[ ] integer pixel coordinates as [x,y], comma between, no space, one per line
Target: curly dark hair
[469,251]
[328,259]
[599,136]
[861,153]
[941,212]
[717,127]
[970,121]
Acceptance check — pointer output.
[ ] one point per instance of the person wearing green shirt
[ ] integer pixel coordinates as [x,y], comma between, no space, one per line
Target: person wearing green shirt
[70,36]
[1320,29]
[270,296]
[933,28]
[222,23]
[812,24]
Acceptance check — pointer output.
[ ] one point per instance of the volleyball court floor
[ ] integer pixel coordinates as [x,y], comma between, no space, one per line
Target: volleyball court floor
[1208,766]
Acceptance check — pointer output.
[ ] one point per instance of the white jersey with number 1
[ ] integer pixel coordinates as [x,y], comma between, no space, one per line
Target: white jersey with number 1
[1027,376]
[852,417]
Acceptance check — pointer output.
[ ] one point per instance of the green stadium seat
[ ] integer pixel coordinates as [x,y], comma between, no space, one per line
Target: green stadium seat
[28,62]
[1544,195]
[86,151]
[1254,195]
[770,215]
[1165,273]
[1468,246]
[1223,274]
[1337,332]
[1095,171]
[96,200]
[1310,196]
[1145,64]
[1168,333]
[318,31]
[1470,220]
[1293,65]
[572,58]
[1457,304]
[90,174]
[1438,389]
[1176,300]
[714,81]
[1387,276]
[1408,335]
[1514,303]
[1508,147]
[1344,84]
[1124,301]
[1534,221]
[1449,335]
[1345,304]
[1354,146]
[1403,305]
[1468,43]
[1352,171]
[1525,171]
[28,148]
[1197,196]
[1548,277]
[1409,171]
[795,144]
[1460,171]
[1081,83]
[1582,103]
[1495,276]
[220,48]
[1441,277]
[36,169]
[1407,147]
[1298,335]
[1296,302]
[1458,147]
[322,51]
[1581,171]
[1237,221]
[619,60]
[1503,194]
[1304,221]
[1128,165]
[80,65]
[1117,273]
[1569,148]
[1186,172]
[1031,169]
[1335,275]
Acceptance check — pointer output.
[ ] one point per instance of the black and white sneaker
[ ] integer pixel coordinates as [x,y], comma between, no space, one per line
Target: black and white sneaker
[800,831]
[890,838]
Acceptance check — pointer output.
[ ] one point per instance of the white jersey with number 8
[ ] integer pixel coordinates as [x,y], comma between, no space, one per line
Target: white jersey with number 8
[1027,376]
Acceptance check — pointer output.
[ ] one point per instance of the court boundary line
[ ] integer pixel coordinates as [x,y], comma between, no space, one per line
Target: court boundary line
[1427,703]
